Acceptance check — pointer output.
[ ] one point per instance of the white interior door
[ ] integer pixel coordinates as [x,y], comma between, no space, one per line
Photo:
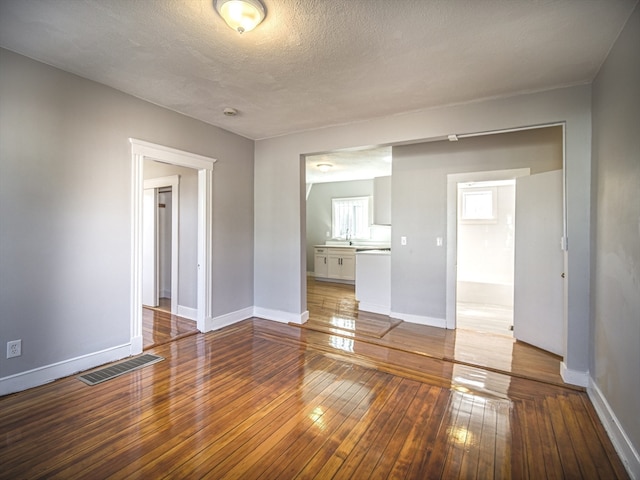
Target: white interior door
[150,295]
[539,262]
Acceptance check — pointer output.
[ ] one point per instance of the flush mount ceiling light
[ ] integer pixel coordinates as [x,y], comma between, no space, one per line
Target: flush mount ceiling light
[241,15]
[324,167]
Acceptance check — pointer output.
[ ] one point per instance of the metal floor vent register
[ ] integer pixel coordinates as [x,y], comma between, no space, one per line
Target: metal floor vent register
[112,371]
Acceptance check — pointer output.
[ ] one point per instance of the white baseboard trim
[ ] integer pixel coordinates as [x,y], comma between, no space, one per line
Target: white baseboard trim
[280,316]
[420,319]
[137,345]
[49,373]
[621,442]
[227,319]
[574,377]
[336,280]
[187,312]
[374,308]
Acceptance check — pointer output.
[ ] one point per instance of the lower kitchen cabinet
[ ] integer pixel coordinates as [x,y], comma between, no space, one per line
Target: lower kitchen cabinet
[335,263]
[342,264]
[321,265]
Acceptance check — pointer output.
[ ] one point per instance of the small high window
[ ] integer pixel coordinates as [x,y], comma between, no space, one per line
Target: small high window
[478,205]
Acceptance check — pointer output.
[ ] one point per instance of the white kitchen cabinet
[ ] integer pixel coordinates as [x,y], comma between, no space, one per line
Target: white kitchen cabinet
[341,264]
[321,264]
[382,200]
[335,263]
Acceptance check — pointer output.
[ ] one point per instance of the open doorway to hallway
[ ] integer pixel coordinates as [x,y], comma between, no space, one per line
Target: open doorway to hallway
[159,266]
[169,253]
[485,273]
[200,274]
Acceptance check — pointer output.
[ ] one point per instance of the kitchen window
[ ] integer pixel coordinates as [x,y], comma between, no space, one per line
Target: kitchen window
[350,218]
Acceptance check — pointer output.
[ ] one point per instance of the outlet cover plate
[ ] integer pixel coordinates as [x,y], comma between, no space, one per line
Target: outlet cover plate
[14,348]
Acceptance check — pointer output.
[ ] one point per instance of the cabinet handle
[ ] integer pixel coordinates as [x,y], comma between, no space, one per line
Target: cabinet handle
[325,260]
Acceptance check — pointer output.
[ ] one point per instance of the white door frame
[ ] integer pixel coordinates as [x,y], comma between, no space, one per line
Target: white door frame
[150,280]
[141,151]
[172,181]
[452,227]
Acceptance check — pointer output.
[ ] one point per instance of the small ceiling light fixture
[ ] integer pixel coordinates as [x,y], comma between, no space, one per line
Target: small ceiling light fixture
[230,112]
[324,167]
[241,15]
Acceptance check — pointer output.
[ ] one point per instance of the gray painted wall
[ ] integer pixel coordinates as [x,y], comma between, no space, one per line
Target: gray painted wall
[419,205]
[280,194]
[187,227]
[65,210]
[615,360]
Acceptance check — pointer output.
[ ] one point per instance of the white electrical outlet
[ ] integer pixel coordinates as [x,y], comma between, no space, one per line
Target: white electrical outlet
[14,348]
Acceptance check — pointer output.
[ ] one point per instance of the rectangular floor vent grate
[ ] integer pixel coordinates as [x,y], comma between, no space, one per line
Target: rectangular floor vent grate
[112,371]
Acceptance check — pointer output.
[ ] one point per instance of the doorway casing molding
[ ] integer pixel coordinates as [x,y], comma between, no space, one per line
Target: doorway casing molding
[141,151]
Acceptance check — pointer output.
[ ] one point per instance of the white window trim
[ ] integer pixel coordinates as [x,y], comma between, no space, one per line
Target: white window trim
[367,200]
[462,196]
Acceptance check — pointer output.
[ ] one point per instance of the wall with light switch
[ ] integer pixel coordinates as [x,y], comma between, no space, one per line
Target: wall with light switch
[419,206]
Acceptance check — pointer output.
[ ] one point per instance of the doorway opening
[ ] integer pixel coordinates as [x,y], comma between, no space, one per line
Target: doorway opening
[485,273]
[140,152]
[161,247]
[345,212]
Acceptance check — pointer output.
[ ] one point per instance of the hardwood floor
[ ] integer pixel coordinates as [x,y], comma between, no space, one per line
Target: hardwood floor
[266,400]
[485,318]
[159,326]
[333,309]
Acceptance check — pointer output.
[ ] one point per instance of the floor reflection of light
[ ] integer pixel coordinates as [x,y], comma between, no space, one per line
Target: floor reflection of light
[316,418]
[461,435]
[346,323]
[466,381]
[341,343]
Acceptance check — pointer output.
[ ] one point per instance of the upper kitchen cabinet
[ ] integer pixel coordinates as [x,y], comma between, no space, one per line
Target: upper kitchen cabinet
[382,200]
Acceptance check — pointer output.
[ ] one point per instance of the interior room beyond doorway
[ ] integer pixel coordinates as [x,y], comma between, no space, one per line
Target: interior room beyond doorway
[485,273]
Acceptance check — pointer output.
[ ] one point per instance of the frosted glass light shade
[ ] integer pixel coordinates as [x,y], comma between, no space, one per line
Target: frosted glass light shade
[241,15]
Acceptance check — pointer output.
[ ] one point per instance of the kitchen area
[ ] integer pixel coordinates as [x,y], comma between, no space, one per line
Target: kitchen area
[349,228]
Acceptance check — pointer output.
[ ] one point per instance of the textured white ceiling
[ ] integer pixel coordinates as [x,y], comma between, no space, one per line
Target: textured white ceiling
[314,63]
[349,165]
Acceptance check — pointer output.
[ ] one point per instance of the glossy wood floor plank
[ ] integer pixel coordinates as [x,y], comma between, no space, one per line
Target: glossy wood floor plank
[266,400]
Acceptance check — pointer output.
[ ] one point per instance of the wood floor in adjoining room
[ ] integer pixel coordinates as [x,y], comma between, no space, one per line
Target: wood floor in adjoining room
[485,318]
[333,309]
[259,399]
[159,326]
